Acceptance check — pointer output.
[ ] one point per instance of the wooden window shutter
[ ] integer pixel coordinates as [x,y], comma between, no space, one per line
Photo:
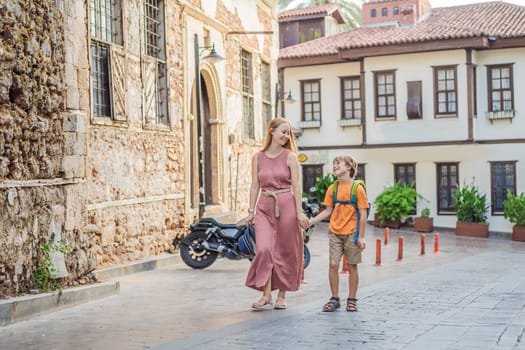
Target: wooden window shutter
[149,74]
[119,84]
[414,109]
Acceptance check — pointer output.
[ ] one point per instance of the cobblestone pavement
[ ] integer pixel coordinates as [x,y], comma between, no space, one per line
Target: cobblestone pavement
[470,295]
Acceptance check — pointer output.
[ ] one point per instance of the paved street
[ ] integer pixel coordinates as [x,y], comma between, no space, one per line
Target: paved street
[470,295]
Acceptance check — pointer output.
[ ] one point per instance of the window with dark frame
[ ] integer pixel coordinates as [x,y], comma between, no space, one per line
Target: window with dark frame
[266,94]
[384,12]
[385,94]
[445,90]
[310,30]
[247,94]
[361,172]
[155,44]
[447,182]
[502,179]
[106,30]
[395,11]
[311,100]
[405,173]
[373,13]
[500,89]
[310,173]
[351,101]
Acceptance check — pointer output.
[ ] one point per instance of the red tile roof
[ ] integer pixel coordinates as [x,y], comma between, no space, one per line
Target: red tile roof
[497,19]
[312,12]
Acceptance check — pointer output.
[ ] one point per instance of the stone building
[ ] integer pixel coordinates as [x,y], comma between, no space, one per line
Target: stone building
[99,125]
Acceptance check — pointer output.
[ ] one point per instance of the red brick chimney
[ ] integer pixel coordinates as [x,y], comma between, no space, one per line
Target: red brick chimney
[405,12]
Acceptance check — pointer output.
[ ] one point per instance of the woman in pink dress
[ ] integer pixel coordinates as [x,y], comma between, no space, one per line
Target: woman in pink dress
[275,208]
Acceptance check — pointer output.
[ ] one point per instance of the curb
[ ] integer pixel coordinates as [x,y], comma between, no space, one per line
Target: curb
[147,264]
[25,307]
[28,306]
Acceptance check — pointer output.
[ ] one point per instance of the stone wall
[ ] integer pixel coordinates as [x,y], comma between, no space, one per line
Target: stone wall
[31,139]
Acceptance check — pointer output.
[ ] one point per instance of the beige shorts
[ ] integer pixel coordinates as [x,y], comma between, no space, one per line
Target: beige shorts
[344,244]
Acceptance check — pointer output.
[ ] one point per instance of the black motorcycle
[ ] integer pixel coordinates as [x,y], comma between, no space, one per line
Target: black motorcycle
[209,239]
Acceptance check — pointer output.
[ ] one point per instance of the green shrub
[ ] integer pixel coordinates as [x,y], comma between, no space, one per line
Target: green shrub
[514,208]
[396,202]
[322,184]
[471,206]
[425,213]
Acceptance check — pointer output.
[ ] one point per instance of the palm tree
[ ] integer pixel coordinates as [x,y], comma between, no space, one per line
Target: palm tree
[350,9]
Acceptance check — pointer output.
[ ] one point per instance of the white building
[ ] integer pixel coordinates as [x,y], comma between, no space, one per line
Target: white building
[435,102]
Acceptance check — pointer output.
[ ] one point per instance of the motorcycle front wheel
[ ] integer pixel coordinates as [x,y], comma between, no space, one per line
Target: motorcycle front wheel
[307,256]
[194,254]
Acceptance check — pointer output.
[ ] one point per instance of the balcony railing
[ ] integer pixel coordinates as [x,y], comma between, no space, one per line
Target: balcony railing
[499,115]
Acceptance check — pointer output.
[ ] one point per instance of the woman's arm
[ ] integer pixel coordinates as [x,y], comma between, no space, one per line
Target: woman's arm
[297,188]
[254,190]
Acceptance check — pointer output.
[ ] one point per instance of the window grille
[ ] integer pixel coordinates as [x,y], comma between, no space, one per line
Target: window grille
[155,47]
[247,91]
[100,76]
[106,30]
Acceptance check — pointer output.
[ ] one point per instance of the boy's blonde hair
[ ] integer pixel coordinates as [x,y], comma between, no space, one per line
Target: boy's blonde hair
[350,162]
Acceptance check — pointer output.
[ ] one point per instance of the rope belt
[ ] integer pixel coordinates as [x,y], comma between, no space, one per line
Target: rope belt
[274,195]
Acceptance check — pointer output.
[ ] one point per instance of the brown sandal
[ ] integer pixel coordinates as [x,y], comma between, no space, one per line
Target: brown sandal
[351,305]
[332,305]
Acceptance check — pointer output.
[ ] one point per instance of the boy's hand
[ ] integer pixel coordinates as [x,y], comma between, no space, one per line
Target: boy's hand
[361,244]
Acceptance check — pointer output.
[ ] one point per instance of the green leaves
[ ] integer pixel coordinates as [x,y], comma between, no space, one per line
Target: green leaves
[514,208]
[396,202]
[322,184]
[471,205]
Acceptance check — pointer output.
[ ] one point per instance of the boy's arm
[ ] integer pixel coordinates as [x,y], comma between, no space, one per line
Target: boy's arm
[325,214]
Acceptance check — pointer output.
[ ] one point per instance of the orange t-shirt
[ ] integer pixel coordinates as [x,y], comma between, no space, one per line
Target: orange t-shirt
[343,219]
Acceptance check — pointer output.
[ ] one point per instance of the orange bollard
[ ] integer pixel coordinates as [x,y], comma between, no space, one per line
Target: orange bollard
[400,248]
[436,242]
[422,244]
[387,233]
[344,268]
[378,253]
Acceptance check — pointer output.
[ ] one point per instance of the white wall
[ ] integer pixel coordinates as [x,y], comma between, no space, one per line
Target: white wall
[474,159]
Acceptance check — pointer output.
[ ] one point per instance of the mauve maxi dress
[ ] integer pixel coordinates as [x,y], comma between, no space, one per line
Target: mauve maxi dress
[279,241]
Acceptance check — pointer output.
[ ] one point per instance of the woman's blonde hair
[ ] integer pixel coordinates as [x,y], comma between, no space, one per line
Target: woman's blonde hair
[274,124]
[350,162]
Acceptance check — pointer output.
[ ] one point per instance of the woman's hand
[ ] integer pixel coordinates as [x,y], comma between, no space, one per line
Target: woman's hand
[250,219]
[303,220]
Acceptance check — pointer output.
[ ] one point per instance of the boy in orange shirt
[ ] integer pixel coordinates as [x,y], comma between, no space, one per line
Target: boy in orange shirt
[343,225]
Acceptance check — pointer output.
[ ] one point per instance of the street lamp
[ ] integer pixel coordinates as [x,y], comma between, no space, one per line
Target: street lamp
[279,96]
[212,57]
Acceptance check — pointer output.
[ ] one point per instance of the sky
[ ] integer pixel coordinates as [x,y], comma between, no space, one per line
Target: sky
[443,3]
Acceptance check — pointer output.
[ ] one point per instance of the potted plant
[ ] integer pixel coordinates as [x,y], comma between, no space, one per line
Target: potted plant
[514,211]
[395,203]
[471,212]
[424,223]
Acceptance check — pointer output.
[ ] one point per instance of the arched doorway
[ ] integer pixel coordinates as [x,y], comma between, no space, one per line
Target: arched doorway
[211,141]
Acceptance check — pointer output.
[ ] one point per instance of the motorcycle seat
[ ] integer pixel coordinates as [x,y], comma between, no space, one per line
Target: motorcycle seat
[213,222]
